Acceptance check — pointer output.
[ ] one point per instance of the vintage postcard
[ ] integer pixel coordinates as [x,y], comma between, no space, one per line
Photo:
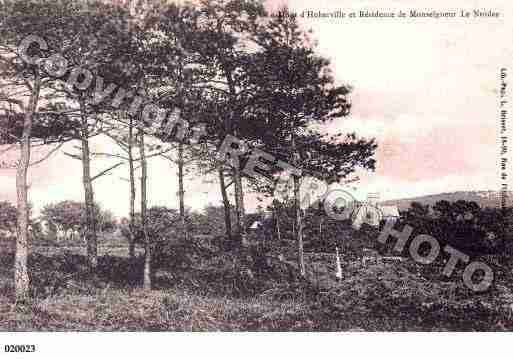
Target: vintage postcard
[253,166]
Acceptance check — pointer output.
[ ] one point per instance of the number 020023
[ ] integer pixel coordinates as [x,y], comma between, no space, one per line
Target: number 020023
[20,348]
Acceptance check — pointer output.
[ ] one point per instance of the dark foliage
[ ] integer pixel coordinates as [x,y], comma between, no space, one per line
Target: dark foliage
[461,224]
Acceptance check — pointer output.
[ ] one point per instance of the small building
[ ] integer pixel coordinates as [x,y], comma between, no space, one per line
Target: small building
[365,213]
[389,213]
[256,225]
[373,214]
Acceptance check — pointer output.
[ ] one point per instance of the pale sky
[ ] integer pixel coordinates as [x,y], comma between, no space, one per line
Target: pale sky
[427,90]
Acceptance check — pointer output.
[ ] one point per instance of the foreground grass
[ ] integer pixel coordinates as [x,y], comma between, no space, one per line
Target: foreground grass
[135,310]
[212,295]
[177,310]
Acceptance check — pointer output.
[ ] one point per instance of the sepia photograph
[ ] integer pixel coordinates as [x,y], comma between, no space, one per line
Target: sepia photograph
[243,166]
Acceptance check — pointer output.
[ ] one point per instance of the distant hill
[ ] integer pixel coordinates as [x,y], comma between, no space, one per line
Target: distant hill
[483,198]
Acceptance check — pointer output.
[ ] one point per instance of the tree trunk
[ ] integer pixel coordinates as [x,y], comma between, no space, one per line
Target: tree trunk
[90,234]
[226,204]
[239,207]
[21,277]
[237,179]
[277,221]
[147,275]
[299,227]
[181,192]
[297,207]
[131,225]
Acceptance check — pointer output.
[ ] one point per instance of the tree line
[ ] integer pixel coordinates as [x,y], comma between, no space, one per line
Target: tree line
[464,225]
[224,66]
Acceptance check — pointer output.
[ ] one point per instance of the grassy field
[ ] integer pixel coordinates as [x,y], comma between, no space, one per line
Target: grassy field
[212,294]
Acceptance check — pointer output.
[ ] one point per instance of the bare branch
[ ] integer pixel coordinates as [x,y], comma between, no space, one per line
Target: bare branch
[76,157]
[7,149]
[104,154]
[104,172]
[51,152]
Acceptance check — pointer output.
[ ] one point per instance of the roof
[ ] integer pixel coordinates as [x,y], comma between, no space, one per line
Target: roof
[255,225]
[389,211]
